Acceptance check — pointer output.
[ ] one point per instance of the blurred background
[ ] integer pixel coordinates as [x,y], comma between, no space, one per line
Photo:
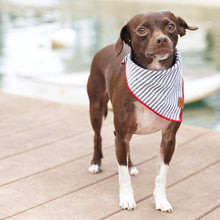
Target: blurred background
[46,48]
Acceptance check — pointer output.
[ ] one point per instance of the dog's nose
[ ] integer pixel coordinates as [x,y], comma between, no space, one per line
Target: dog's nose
[161,41]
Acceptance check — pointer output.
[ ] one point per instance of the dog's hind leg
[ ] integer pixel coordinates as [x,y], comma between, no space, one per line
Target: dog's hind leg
[132,169]
[98,109]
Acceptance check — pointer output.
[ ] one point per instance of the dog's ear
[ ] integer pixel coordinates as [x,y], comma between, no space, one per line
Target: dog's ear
[182,26]
[123,37]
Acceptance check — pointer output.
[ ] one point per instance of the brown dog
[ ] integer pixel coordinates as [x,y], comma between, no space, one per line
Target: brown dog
[150,38]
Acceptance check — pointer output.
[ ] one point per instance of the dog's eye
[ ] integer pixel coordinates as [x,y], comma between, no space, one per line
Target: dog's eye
[142,31]
[171,27]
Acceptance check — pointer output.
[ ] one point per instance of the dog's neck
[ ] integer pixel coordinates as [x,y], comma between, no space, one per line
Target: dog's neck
[153,63]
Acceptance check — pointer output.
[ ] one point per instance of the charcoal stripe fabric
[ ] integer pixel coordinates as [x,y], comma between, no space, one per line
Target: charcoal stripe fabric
[158,90]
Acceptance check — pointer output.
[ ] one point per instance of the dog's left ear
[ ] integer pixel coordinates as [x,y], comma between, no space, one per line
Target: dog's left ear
[182,26]
[124,37]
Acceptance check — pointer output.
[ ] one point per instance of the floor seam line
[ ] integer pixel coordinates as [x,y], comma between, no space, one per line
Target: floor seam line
[78,189]
[49,143]
[45,145]
[208,212]
[51,107]
[38,126]
[11,118]
[59,197]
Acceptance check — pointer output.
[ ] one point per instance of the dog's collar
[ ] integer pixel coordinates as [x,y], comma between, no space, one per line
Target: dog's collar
[160,91]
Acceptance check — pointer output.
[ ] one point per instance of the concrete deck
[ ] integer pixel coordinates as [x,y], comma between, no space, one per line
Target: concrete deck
[45,152]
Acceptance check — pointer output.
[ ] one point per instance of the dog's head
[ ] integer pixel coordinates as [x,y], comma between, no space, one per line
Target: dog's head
[152,34]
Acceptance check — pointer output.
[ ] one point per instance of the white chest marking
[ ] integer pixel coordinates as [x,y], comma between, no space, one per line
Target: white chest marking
[147,121]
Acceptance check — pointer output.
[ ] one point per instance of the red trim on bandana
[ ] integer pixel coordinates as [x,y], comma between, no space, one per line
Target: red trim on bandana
[180,116]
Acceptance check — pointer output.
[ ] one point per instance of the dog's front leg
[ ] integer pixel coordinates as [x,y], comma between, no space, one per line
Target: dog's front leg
[126,192]
[166,151]
[161,202]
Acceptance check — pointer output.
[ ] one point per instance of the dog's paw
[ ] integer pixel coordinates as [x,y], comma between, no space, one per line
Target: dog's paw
[163,205]
[127,202]
[95,168]
[133,171]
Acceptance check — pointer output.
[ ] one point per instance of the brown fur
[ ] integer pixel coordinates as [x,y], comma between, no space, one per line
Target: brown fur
[107,81]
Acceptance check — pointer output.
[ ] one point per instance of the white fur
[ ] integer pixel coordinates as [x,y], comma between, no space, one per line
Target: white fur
[133,171]
[147,121]
[162,57]
[155,64]
[95,168]
[161,202]
[126,192]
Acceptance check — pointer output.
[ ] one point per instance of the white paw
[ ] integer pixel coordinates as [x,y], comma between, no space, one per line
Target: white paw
[162,204]
[127,202]
[95,168]
[133,171]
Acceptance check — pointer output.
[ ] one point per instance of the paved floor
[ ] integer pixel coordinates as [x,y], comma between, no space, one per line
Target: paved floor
[45,152]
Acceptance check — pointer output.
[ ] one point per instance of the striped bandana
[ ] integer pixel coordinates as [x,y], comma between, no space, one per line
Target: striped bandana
[160,91]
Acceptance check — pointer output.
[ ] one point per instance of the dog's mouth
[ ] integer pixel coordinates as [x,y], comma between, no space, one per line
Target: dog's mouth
[162,53]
